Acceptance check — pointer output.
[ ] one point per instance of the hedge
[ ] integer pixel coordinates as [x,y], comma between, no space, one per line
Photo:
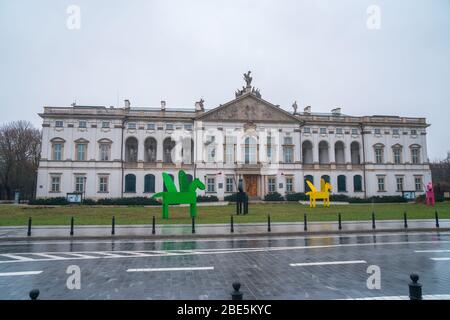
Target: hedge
[299,196]
[231,197]
[49,201]
[273,196]
[135,201]
[210,198]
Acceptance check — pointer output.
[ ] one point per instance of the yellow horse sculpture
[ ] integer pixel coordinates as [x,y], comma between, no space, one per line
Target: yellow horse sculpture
[324,193]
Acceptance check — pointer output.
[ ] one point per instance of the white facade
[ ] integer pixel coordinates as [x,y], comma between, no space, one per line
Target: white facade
[121,152]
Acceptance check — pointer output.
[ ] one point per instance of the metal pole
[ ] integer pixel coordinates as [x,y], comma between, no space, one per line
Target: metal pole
[268,223]
[405,219]
[29,227]
[71,226]
[236,294]
[437,218]
[193,225]
[113,226]
[232,224]
[373,220]
[415,288]
[340,222]
[153,225]
[305,223]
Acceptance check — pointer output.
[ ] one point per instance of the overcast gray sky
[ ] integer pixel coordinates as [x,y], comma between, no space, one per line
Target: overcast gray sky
[320,53]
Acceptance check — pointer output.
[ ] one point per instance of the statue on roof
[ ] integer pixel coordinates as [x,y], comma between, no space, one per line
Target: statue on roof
[294,105]
[248,79]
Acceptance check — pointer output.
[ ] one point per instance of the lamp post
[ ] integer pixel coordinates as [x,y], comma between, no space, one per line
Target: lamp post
[84,187]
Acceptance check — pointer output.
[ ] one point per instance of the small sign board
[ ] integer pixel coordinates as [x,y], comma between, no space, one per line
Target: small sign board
[75,197]
[409,195]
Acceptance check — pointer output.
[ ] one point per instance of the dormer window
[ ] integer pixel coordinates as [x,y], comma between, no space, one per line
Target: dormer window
[59,124]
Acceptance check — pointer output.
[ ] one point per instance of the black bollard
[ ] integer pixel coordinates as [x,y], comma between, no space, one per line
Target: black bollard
[113,226]
[193,225]
[415,288]
[340,221]
[236,294]
[71,226]
[29,227]
[231,224]
[268,223]
[373,220]
[153,225]
[437,218]
[405,220]
[305,223]
[34,294]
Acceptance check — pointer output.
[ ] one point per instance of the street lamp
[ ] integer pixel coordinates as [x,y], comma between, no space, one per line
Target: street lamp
[84,187]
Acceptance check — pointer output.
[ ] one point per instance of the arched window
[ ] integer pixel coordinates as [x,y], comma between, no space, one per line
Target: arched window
[341,183]
[250,150]
[357,183]
[323,153]
[149,183]
[326,178]
[168,145]
[130,183]
[307,152]
[339,154]
[310,179]
[150,149]
[164,186]
[354,150]
[131,149]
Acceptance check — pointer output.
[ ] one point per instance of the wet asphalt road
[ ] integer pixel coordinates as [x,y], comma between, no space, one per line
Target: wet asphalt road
[318,267]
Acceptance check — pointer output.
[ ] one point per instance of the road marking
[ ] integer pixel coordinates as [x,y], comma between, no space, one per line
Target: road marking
[425,297]
[431,251]
[50,256]
[84,256]
[170,269]
[325,263]
[22,273]
[441,259]
[17,258]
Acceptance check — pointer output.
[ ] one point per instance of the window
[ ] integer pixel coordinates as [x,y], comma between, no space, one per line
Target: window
[211,184]
[342,183]
[399,183]
[415,155]
[338,130]
[287,140]
[250,150]
[289,184]
[271,184]
[377,131]
[326,178]
[397,155]
[59,123]
[82,124]
[150,126]
[323,130]
[81,151]
[164,185]
[103,183]
[130,183]
[413,132]
[79,183]
[396,132]
[188,127]
[269,148]
[168,145]
[307,130]
[55,184]
[169,126]
[149,183]
[105,149]
[229,149]
[132,125]
[357,183]
[380,184]
[378,154]
[288,150]
[418,183]
[105,124]
[354,131]
[57,151]
[210,149]
[229,185]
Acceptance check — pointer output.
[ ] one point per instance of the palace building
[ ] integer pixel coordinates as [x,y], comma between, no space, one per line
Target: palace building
[110,152]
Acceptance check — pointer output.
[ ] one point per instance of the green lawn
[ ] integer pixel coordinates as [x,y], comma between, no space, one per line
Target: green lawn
[11,215]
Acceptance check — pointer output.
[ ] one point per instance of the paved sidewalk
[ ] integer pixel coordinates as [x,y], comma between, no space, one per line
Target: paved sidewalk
[214,230]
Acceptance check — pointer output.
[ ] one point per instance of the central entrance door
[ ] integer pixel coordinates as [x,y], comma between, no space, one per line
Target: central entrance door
[251,184]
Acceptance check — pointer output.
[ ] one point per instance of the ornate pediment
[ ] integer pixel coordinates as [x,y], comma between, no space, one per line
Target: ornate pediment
[248,108]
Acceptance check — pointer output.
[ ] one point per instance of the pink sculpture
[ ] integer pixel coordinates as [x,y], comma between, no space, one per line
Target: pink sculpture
[430,194]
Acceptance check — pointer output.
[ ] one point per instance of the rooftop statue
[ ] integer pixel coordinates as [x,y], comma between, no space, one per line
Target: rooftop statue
[248,79]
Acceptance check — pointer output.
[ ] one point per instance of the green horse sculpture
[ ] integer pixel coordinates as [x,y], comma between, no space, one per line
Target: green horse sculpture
[186,195]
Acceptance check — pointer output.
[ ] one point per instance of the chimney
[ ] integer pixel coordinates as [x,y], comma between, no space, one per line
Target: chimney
[336,111]
[307,110]
[127,104]
[163,105]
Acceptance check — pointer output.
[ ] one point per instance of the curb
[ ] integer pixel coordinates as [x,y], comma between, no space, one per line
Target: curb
[224,235]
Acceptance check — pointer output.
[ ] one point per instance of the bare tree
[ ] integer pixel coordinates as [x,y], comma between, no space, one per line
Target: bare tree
[440,171]
[20,145]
